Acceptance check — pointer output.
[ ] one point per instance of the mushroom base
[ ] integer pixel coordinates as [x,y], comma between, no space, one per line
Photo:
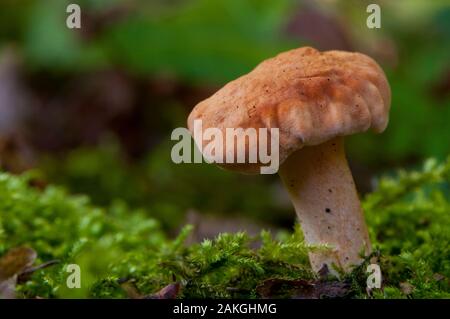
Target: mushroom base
[324,195]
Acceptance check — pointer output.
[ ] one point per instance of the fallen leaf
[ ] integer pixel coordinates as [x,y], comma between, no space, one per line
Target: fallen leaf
[8,288]
[406,288]
[15,261]
[12,264]
[16,267]
[303,289]
[130,289]
[438,277]
[170,291]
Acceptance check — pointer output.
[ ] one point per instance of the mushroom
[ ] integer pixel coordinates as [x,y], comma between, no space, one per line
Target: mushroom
[315,99]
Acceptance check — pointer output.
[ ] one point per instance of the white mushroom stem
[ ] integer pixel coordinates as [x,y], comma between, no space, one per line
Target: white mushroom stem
[324,195]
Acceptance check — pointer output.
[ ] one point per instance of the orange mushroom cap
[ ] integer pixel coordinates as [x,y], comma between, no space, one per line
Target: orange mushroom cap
[310,96]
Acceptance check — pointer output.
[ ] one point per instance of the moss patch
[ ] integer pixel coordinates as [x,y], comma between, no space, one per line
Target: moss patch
[408,217]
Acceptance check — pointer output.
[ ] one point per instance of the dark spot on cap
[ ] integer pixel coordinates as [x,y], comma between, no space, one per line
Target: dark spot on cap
[329,190]
[327,210]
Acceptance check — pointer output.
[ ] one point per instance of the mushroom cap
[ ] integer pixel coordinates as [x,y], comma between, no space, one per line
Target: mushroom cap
[310,96]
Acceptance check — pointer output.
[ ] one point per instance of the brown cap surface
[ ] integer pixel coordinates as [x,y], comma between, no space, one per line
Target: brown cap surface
[310,96]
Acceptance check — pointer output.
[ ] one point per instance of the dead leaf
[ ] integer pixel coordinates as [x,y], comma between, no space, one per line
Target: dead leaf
[12,264]
[8,288]
[303,289]
[131,290]
[16,267]
[406,288]
[15,261]
[170,291]
[438,277]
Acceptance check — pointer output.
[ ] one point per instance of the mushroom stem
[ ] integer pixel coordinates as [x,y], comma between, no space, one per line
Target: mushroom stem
[324,195]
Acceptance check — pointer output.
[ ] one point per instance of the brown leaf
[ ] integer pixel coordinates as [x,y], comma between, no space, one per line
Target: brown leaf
[8,288]
[170,291]
[12,264]
[438,277]
[15,261]
[406,288]
[302,289]
[131,290]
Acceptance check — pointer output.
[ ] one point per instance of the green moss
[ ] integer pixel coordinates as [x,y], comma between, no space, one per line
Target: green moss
[408,217]
[409,221]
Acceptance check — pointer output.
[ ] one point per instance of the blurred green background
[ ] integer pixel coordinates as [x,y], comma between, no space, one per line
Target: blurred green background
[92,109]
